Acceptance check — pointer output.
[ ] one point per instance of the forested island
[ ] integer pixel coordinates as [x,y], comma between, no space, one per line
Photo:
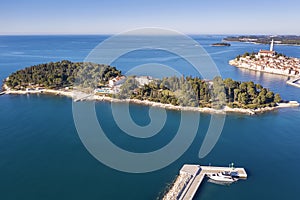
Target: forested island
[221,44]
[108,83]
[265,39]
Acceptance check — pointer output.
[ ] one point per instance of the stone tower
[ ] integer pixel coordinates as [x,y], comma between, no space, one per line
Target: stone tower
[272,45]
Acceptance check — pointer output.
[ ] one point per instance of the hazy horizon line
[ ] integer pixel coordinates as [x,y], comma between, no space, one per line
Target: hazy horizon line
[110,34]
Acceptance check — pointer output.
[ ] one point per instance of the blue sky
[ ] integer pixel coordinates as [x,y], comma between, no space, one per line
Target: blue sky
[109,16]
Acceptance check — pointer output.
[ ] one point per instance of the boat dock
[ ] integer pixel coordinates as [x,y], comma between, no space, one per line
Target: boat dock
[191,177]
[82,97]
[294,82]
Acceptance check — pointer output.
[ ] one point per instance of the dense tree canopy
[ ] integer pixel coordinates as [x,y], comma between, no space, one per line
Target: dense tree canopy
[62,74]
[194,92]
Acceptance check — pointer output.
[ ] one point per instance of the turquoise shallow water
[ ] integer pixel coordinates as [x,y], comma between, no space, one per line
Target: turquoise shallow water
[42,156]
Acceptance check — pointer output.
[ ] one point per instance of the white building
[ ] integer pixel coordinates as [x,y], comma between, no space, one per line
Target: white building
[144,79]
[116,81]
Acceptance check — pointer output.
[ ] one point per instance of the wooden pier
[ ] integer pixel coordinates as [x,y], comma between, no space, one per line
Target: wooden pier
[191,177]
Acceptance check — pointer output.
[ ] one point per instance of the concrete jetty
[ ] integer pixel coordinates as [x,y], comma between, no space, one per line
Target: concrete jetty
[191,177]
[294,82]
[82,97]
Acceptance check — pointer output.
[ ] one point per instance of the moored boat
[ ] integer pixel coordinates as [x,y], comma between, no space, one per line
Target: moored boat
[222,177]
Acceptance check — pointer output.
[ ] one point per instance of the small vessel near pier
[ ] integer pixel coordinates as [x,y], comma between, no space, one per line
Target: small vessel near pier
[222,177]
[191,176]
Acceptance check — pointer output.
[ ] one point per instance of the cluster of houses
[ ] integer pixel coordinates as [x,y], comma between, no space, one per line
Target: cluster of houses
[114,85]
[271,64]
[268,61]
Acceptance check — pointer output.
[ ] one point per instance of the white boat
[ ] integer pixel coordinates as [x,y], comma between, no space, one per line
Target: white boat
[221,177]
[233,174]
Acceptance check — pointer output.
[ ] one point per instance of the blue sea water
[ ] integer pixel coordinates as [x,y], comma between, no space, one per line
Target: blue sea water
[42,156]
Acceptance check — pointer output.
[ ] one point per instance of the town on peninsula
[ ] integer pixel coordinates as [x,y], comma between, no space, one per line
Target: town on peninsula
[270,61]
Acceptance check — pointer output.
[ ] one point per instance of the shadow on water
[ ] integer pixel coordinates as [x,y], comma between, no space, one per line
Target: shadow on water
[218,182]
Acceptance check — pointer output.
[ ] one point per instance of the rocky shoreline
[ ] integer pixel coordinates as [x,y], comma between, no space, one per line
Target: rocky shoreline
[80,96]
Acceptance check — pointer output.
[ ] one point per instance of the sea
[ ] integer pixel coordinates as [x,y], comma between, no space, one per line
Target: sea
[43,158]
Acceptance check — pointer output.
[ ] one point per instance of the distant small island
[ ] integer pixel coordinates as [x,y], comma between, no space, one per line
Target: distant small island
[265,39]
[221,44]
[103,82]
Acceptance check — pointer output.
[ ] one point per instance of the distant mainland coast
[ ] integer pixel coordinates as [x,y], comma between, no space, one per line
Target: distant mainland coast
[265,39]
[215,96]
